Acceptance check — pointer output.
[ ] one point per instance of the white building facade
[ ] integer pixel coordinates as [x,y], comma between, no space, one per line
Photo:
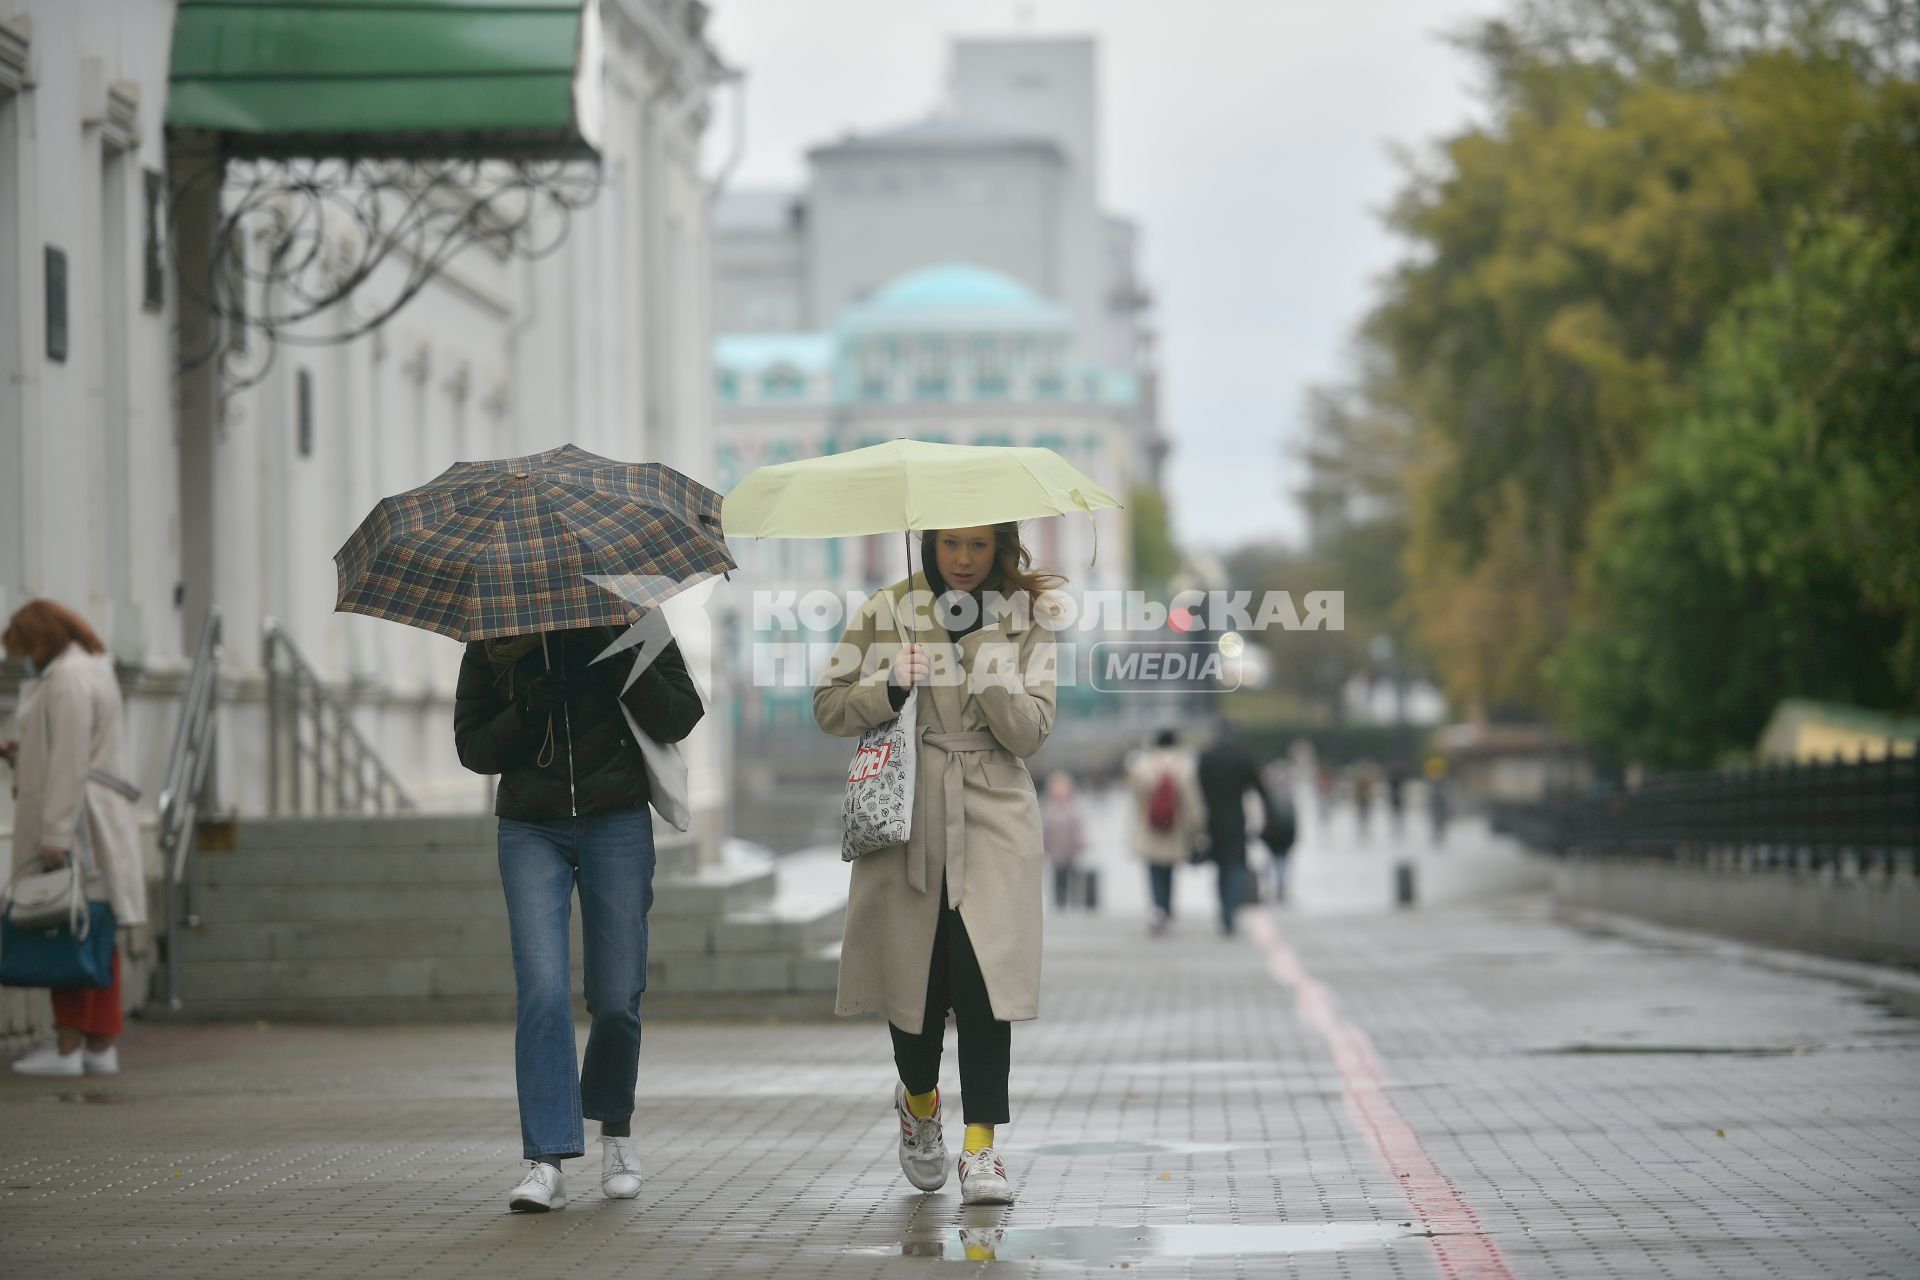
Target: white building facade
[140,488]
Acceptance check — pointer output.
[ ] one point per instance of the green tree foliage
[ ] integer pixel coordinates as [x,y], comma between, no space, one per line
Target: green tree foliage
[1358,448]
[1717,583]
[1770,547]
[1645,165]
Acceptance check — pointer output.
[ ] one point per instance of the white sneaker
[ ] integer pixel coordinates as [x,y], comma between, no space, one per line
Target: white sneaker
[49,1061]
[104,1063]
[619,1168]
[983,1178]
[923,1147]
[541,1190]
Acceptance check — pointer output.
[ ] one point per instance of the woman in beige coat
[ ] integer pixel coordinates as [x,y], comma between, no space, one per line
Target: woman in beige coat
[70,801]
[1168,817]
[951,919]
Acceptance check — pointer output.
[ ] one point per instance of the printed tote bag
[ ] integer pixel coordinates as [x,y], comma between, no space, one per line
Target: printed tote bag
[877,812]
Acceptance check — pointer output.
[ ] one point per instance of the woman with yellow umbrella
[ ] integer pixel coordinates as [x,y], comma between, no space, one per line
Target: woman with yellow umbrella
[949,918]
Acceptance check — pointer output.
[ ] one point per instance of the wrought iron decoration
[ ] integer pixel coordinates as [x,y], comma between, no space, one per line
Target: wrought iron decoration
[301,237]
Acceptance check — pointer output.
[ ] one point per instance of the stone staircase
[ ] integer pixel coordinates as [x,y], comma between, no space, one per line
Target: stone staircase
[401,919]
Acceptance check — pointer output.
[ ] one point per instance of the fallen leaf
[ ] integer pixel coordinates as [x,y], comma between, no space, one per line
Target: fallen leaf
[1166,1177]
[1719,1133]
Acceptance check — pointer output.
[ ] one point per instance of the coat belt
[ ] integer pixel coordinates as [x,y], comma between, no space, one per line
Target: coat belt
[945,810]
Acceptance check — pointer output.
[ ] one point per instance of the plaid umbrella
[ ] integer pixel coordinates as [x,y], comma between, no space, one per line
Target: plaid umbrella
[506,547]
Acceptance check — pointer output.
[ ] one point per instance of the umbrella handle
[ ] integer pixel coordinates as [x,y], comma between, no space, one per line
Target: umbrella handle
[1081,501]
[906,536]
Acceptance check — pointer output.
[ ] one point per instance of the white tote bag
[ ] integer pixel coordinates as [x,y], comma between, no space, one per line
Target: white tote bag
[877,812]
[666,773]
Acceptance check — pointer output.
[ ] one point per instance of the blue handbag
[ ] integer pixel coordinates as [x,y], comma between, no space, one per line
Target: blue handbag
[57,957]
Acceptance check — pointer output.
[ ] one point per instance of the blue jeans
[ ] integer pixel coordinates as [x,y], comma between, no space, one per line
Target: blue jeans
[610,856]
[1160,885]
[1233,891]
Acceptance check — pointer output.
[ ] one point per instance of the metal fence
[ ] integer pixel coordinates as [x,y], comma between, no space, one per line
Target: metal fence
[1856,814]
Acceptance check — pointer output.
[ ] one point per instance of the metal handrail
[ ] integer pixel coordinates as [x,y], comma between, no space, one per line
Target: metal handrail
[347,775]
[186,789]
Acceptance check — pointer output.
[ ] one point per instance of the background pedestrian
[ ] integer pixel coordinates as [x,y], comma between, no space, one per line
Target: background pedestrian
[72,800]
[1169,817]
[1063,831]
[1227,772]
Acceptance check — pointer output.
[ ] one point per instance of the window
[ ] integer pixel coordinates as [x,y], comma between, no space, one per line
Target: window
[154,276]
[782,382]
[989,369]
[930,374]
[56,304]
[876,369]
[303,412]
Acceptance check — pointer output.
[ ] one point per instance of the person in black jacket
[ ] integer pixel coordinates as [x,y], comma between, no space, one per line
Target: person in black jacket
[1227,772]
[572,804]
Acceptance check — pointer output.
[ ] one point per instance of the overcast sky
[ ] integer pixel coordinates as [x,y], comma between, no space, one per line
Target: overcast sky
[1251,141]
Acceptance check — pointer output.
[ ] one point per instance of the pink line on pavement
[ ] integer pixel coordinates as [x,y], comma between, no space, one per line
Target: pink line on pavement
[1460,1245]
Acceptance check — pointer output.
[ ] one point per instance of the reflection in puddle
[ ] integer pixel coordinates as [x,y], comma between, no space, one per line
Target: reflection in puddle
[1143,1148]
[1721,1050]
[1135,1243]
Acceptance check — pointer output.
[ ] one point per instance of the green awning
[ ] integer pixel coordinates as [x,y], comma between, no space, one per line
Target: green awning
[422,78]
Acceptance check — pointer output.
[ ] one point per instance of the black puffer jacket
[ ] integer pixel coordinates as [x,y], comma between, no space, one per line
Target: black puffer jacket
[495,732]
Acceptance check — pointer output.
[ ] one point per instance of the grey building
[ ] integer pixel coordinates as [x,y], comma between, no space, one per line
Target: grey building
[1005,176]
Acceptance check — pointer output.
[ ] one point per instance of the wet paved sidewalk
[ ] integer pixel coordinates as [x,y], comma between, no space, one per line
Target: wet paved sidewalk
[1473,1090]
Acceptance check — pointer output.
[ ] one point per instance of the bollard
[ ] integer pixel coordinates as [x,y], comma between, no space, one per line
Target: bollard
[1403,895]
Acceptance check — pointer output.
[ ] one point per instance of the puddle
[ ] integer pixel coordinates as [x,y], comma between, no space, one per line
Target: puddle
[1891,1003]
[88,1097]
[1144,1148]
[1711,1050]
[1138,1244]
[1747,1221]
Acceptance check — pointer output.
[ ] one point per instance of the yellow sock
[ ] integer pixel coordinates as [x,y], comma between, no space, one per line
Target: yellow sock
[978,1136]
[922,1104]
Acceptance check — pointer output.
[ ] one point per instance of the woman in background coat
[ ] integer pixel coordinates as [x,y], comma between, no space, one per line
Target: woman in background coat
[71,801]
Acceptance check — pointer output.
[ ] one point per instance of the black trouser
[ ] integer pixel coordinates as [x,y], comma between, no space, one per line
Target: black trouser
[954,981]
[1062,886]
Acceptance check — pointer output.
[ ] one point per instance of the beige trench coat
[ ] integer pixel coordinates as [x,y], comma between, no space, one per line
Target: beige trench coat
[70,722]
[1167,848]
[997,681]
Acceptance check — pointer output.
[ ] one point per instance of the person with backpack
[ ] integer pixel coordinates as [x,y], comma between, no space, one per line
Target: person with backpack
[1168,817]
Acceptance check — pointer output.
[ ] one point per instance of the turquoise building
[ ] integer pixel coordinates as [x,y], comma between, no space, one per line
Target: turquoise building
[953,353]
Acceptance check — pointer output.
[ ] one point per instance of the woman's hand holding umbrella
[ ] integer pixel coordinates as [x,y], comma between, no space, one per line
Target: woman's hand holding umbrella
[911,668]
[546,692]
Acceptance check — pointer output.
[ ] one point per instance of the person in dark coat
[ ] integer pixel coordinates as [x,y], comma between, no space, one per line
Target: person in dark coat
[1228,771]
[572,806]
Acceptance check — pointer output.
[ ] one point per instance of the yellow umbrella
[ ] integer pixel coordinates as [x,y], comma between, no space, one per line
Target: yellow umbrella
[905,485]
